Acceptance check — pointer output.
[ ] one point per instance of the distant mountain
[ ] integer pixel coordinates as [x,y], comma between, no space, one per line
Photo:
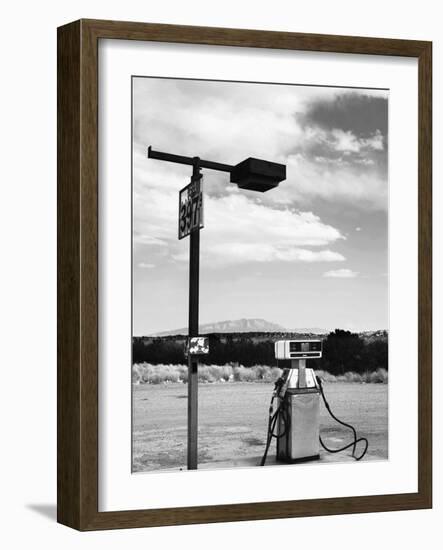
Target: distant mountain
[239,325]
[244,325]
[313,330]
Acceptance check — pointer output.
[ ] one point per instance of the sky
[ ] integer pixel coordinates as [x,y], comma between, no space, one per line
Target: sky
[312,252]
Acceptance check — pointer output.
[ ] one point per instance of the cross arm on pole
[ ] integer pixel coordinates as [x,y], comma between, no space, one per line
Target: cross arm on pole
[190,161]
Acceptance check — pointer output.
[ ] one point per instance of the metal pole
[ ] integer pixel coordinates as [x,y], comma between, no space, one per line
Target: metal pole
[194,261]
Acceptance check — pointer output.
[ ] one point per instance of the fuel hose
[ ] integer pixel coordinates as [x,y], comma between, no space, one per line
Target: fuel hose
[356,439]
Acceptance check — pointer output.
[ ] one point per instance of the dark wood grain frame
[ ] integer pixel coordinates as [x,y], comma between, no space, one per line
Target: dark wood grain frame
[77,455]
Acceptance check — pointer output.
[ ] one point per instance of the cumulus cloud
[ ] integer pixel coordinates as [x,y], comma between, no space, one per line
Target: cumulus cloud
[358,111]
[308,129]
[335,181]
[238,229]
[341,273]
[336,136]
[343,154]
[240,218]
[348,142]
[148,240]
[240,253]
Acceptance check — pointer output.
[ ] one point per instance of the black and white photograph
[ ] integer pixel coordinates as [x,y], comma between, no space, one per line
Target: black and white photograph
[219,275]
[260,274]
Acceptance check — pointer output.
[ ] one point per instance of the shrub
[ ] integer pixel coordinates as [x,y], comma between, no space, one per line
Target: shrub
[145,373]
[206,374]
[224,372]
[353,377]
[380,376]
[155,374]
[272,374]
[182,373]
[261,372]
[248,374]
[366,377]
[137,374]
[326,376]
[243,374]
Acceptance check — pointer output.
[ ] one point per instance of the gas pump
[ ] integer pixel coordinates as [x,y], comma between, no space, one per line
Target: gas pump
[295,420]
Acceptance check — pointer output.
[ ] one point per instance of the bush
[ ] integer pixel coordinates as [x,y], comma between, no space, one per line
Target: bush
[380,376]
[162,373]
[263,373]
[206,374]
[137,373]
[213,373]
[243,374]
[353,377]
[366,377]
[182,373]
[326,376]
[226,373]
[145,373]
[155,374]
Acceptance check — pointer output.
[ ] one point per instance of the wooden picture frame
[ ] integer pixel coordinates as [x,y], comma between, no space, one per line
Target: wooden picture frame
[77,455]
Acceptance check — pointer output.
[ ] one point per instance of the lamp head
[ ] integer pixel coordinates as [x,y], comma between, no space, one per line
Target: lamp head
[258,175]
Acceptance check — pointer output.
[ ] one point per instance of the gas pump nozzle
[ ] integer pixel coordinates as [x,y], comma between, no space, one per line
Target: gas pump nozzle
[281,385]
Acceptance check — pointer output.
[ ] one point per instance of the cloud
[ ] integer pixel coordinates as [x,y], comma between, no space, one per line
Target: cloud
[342,156]
[359,112]
[339,138]
[240,253]
[345,141]
[239,229]
[148,240]
[241,218]
[338,166]
[348,142]
[227,122]
[334,181]
[222,121]
[341,274]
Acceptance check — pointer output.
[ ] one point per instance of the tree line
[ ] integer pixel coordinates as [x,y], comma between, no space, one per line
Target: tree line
[343,351]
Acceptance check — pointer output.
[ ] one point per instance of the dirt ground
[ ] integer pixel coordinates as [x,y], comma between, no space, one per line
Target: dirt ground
[233,423]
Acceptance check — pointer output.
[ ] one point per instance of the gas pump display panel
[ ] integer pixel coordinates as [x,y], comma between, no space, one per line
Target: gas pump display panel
[298,349]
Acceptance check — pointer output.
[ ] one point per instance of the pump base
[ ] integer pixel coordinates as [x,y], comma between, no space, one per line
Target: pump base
[298,460]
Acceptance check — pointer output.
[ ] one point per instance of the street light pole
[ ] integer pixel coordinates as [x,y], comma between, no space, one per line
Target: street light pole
[194,278]
[251,174]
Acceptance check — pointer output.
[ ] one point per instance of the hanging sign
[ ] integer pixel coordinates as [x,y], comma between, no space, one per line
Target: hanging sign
[190,211]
